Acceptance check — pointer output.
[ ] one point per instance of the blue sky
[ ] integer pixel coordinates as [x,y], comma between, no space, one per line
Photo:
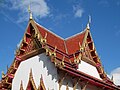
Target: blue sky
[65,18]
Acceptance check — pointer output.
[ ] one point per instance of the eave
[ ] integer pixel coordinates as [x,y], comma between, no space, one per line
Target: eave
[90,79]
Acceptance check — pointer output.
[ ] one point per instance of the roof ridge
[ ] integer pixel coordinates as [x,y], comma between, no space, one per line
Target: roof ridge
[58,35]
[50,31]
[75,35]
[66,49]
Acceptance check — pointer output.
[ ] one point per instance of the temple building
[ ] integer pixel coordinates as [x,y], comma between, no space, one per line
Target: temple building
[45,61]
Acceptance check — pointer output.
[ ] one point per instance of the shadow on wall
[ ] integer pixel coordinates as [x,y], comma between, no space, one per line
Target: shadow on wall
[51,69]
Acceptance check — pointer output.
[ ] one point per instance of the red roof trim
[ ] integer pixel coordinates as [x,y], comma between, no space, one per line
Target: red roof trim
[90,78]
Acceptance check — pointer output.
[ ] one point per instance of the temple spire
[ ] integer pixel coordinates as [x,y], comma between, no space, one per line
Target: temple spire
[89,22]
[30,12]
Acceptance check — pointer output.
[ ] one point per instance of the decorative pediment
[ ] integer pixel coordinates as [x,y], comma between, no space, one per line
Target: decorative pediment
[90,54]
[29,42]
[42,86]
[31,84]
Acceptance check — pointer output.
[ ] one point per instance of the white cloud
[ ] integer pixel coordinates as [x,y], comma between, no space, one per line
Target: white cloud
[116,75]
[78,11]
[39,8]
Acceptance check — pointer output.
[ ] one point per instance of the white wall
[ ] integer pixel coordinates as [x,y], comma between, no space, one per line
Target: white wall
[116,78]
[39,64]
[88,69]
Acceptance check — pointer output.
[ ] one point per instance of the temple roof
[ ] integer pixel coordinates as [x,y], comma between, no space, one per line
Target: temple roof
[52,39]
[71,50]
[74,41]
[66,54]
[64,45]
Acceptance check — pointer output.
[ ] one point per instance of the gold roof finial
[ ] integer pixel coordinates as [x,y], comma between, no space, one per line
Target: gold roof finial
[89,22]
[30,12]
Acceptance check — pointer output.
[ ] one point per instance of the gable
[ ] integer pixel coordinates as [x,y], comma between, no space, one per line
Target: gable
[91,53]
[30,44]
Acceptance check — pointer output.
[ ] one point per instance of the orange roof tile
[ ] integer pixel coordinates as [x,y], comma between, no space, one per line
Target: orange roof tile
[52,39]
[72,43]
[64,45]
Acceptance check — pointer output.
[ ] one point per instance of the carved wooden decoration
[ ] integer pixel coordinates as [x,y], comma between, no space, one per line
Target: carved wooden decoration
[84,87]
[31,84]
[61,81]
[42,86]
[75,85]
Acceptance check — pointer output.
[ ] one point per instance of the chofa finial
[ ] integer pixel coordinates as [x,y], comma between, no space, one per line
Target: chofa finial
[30,12]
[89,22]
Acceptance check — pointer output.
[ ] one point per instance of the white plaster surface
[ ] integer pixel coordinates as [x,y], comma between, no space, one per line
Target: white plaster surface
[88,69]
[39,64]
[116,78]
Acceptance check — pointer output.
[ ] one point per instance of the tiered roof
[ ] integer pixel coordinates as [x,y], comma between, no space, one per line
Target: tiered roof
[66,54]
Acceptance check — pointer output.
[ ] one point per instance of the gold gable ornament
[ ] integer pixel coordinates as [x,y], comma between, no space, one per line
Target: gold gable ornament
[54,52]
[76,59]
[62,64]
[44,40]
